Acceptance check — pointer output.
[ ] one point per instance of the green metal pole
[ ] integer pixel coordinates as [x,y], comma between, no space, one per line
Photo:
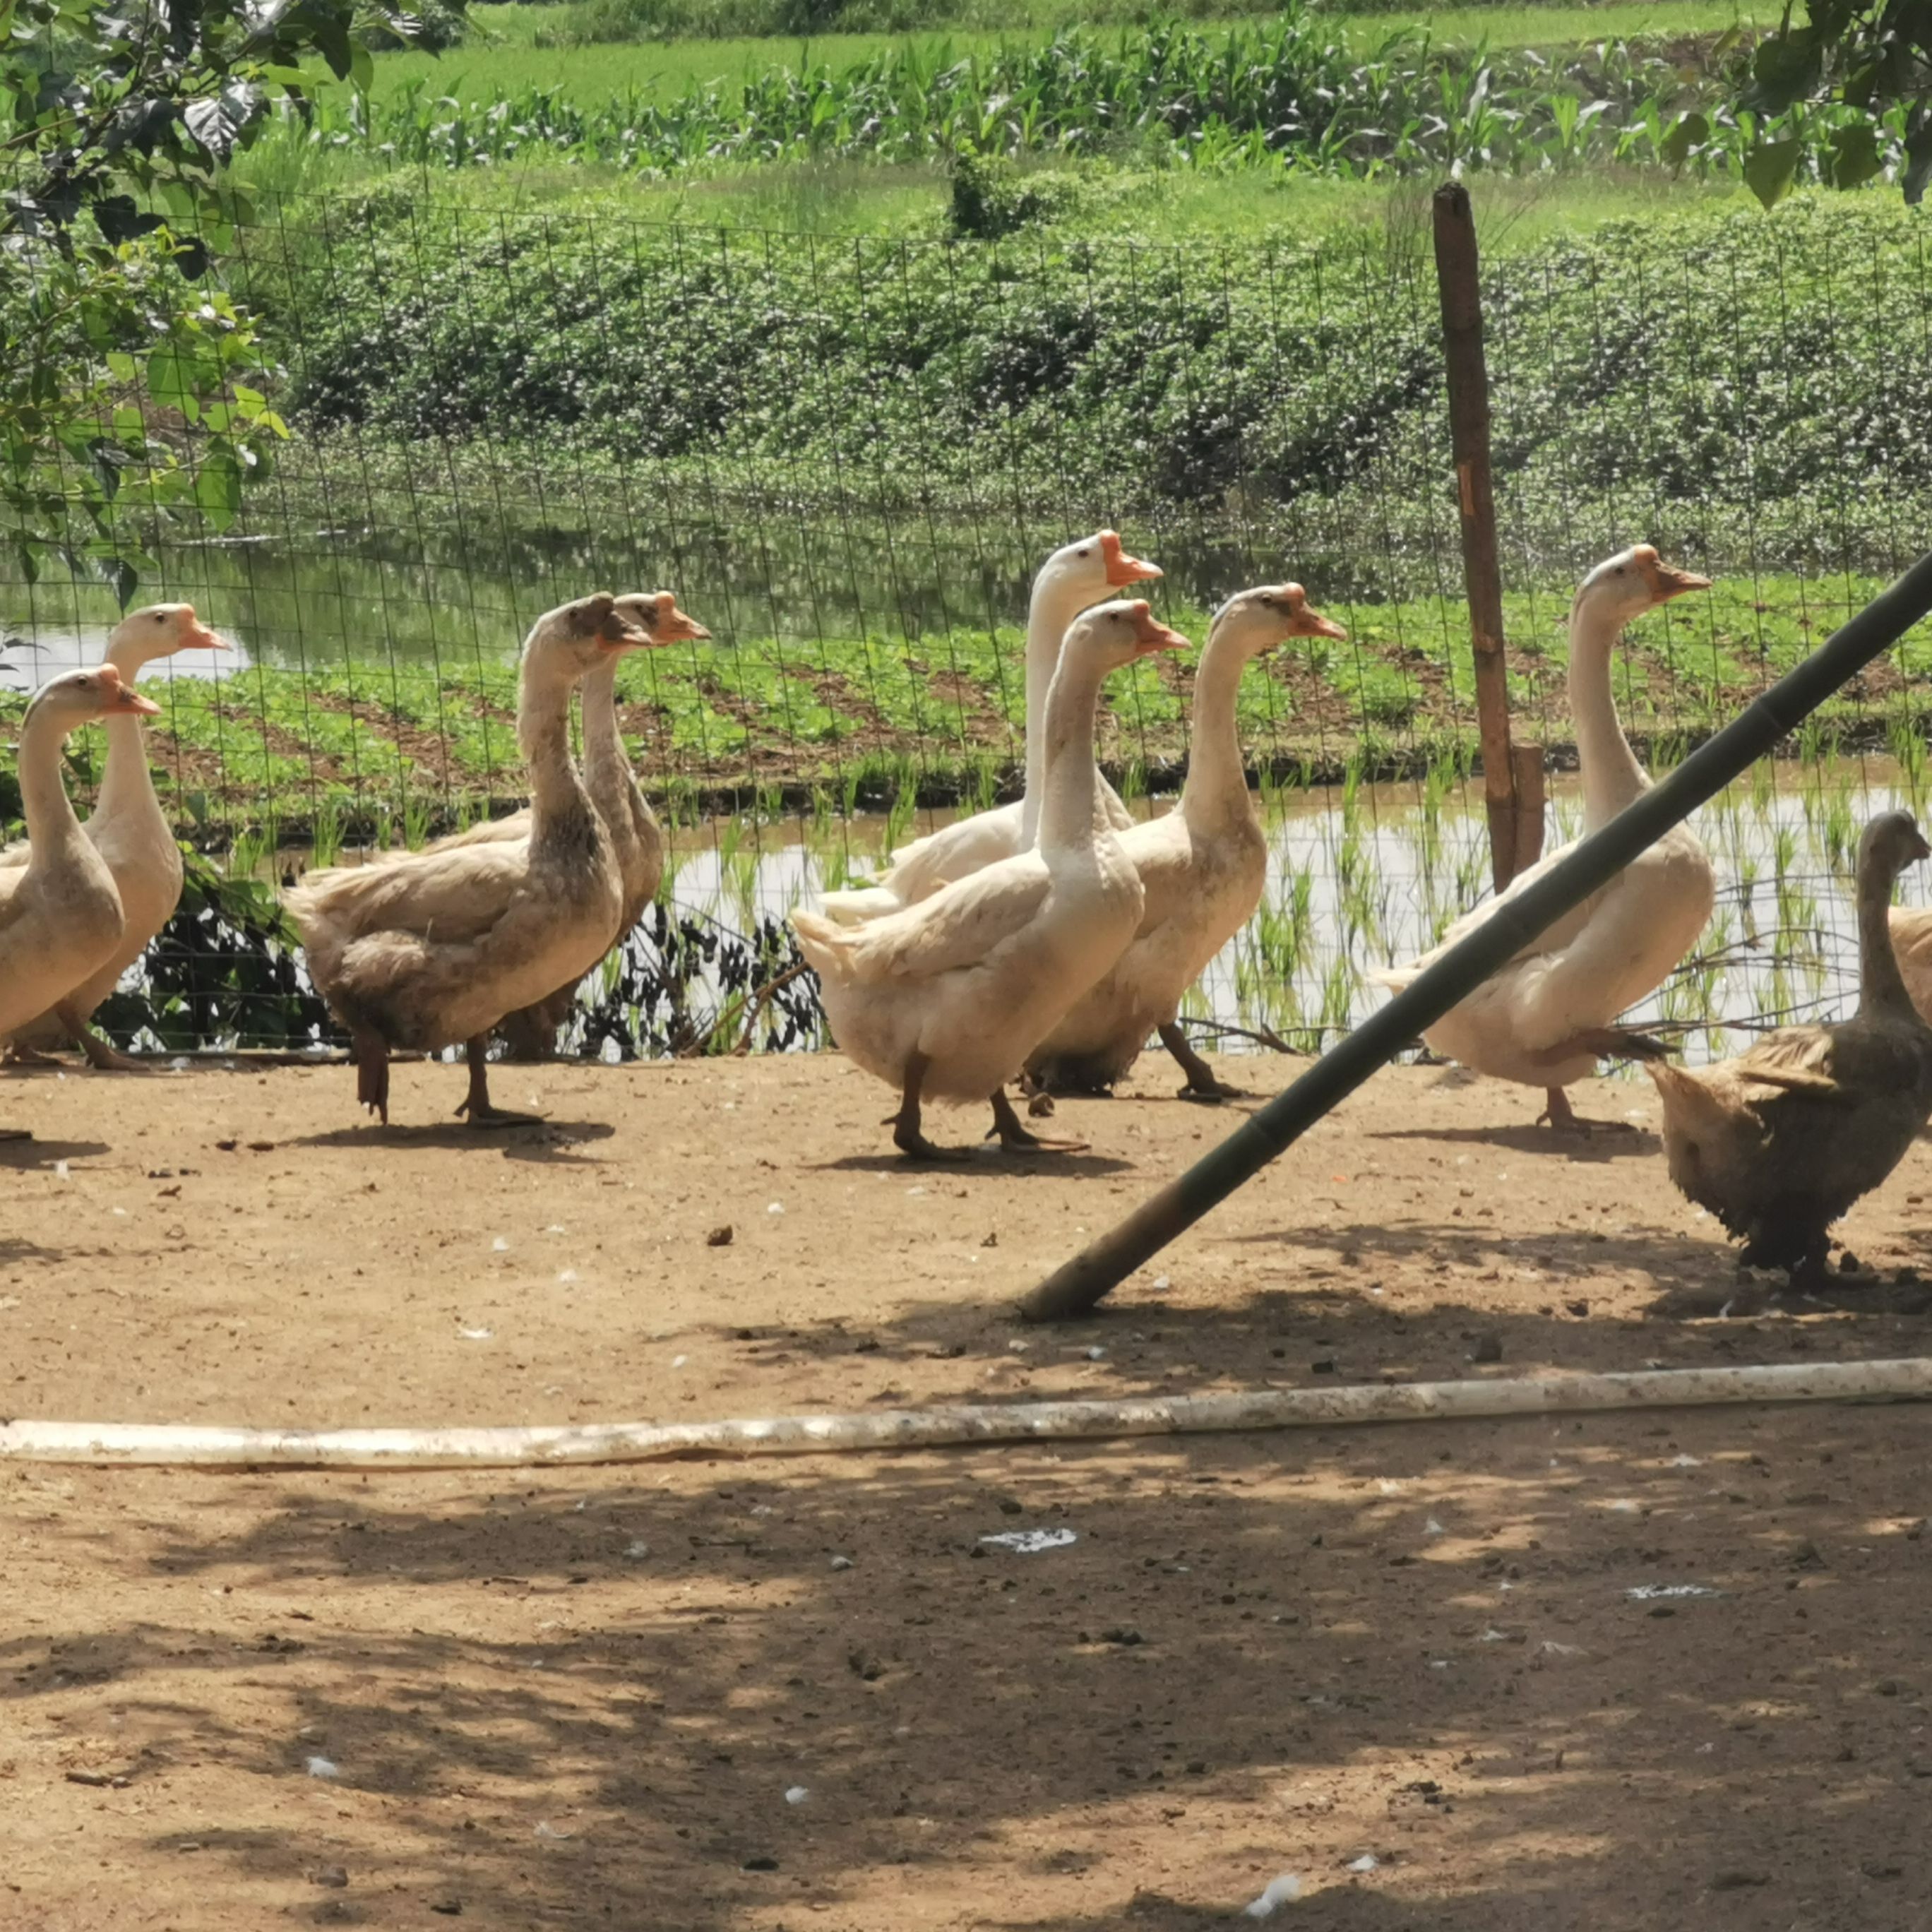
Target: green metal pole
[1075,1288]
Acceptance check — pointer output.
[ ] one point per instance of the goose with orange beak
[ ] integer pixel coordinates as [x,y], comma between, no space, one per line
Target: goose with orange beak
[129,830]
[1202,868]
[1076,576]
[945,1000]
[530,1033]
[428,949]
[1546,1018]
[60,910]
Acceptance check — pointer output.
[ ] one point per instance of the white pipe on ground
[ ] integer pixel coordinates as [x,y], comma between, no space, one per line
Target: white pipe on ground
[190,1445]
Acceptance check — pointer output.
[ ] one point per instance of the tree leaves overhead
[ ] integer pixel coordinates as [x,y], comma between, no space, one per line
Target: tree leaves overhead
[1872,56]
[131,390]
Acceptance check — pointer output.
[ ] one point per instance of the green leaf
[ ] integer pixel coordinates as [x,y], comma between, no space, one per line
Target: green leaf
[217,489]
[1768,170]
[1854,155]
[1689,131]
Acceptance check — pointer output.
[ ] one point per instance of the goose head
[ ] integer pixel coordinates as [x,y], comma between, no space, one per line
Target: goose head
[1112,635]
[1095,565]
[575,638]
[1889,843]
[77,698]
[656,614]
[1256,620]
[158,631]
[1623,587]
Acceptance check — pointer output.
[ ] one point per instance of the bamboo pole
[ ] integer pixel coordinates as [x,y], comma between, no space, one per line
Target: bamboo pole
[1077,1286]
[191,1445]
[1459,283]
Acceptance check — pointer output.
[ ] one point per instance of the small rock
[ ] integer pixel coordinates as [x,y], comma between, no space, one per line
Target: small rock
[992,1240]
[719,1237]
[763,1861]
[1849,1264]
[1122,1634]
[1579,1307]
[261,1146]
[863,1664]
[1489,1348]
[450,1908]
[1012,1506]
[114,1778]
[1325,1366]
[842,1562]
[1739,1880]
[1806,1556]
[228,1147]
[335,1876]
[1887,1687]
[1874,1868]
[1040,1107]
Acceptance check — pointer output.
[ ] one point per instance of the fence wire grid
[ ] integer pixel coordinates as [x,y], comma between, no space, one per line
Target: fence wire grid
[847,456]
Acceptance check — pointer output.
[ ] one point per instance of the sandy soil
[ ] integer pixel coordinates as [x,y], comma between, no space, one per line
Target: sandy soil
[582,1699]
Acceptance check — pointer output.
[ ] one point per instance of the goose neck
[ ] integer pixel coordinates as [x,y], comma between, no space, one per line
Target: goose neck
[543,733]
[1054,605]
[1070,802]
[1881,987]
[52,827]
[1217,781]
[1611,776]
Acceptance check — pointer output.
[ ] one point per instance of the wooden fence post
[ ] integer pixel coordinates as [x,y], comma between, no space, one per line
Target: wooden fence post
[1515,809]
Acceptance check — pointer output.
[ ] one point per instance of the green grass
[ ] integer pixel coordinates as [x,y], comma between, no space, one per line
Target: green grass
[840,720]
[503,53]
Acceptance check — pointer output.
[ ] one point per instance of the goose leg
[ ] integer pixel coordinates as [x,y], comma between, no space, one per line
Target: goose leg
[1564,1119]
[482,1110]
[1202,1082]
[1016,1137]
[372,1074]
[907,1135]
[101,1056]
[18,1055]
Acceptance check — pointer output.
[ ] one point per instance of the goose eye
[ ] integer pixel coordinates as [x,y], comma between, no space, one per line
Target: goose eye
[159,619]
[1085,551]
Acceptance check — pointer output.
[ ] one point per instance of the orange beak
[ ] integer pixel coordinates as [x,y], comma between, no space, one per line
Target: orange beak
[122,697]
[1672,582]
[196,636]
[1150,634]
[1309,623]
[1123,569]
[672,624]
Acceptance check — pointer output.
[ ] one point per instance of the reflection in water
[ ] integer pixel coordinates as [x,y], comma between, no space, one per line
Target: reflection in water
[408,581]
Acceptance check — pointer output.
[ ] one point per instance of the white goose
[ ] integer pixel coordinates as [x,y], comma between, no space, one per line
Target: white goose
[129,830]
[945,1000]
[60,913]
[1074,576]
[1202,868]
[1545,1019]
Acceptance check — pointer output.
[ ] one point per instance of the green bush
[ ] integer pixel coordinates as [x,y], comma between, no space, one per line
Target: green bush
[1733,383]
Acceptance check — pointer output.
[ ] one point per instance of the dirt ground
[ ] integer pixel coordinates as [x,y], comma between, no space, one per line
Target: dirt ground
[785,1694]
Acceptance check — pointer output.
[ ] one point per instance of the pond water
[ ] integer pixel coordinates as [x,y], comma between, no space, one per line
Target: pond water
[420,583]
[1357,878]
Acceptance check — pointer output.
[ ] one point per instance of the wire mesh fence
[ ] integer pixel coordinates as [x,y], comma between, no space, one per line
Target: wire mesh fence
[847,455]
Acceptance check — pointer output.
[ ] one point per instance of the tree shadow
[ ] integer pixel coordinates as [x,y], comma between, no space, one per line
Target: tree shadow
[537,1691]
[25,1155]
[1602,1144]
[546,1141]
